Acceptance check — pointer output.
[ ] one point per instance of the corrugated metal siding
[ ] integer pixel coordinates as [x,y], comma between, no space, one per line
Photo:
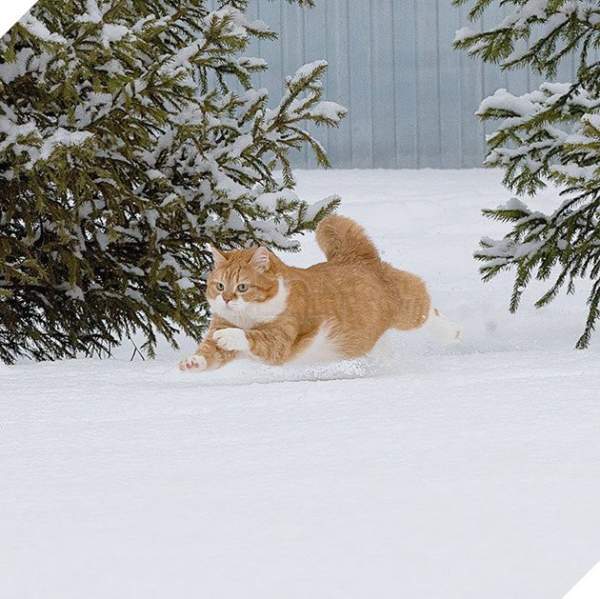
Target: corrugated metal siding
[411,96]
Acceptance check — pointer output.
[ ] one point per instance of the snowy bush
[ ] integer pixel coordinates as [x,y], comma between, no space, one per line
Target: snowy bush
[551,134]
[130,136]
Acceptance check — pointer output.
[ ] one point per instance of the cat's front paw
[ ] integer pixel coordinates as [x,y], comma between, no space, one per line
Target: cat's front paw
[195,363]
[231,339]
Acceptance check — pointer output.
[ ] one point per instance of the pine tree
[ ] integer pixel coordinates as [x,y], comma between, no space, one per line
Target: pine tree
[551,134]
[130,136]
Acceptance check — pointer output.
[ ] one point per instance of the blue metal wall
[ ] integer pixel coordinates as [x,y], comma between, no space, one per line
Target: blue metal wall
[411,96]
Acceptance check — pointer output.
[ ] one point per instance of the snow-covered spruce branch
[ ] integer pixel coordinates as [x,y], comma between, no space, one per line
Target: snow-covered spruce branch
[130,135]
[541,135]
[551,134]
[532,32]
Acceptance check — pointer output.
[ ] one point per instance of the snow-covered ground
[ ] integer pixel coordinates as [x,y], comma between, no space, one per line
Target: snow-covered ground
[418,472]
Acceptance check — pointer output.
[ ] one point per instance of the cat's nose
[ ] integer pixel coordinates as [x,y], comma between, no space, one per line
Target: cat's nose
[227,297]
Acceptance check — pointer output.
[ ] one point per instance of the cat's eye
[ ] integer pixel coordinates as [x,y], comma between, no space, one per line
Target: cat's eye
[220,286]
[242,287]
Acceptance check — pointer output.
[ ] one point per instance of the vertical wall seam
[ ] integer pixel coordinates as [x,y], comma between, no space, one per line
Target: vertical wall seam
[328,73]
[439,81]
[461,133]
[349,72]
[371,102]
[394,85]
[417,145]
[306,151]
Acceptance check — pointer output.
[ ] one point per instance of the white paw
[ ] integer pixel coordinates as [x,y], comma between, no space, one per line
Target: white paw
[447,332]
[196,363]
[232,339]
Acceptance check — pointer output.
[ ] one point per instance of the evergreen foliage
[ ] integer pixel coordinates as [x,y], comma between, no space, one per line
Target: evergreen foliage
[130,136]
[551,134]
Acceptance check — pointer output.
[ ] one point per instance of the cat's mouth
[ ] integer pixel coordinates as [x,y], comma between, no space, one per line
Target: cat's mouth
[236,306]
[220,306]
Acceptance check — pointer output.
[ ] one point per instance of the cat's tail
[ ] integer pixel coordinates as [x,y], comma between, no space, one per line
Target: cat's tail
[344,241]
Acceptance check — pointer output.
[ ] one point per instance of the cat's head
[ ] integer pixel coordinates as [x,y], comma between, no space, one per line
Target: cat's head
[243,283]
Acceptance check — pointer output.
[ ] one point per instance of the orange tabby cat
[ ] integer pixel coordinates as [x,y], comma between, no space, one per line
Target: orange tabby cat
[336,309]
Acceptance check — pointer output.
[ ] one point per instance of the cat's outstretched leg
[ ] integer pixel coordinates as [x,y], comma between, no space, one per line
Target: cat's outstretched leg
[209,354]
[272,343]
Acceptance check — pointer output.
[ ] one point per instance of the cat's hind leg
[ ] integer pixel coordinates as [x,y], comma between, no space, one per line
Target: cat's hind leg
[444,329]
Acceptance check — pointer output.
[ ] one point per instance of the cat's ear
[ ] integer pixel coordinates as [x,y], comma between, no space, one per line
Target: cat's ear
[218,258]
[261,259]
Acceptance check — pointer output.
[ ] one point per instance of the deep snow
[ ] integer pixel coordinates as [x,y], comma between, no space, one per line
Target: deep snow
[419,471]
